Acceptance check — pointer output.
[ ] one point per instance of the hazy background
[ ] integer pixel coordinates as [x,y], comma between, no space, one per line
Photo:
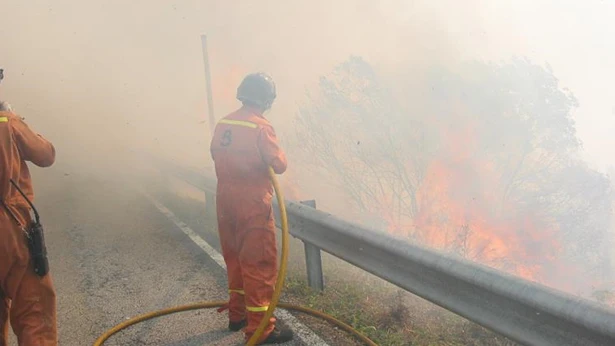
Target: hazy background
[104,79]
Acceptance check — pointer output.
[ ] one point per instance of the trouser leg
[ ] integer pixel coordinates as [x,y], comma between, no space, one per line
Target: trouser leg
[237,306]
[5,304]
[33,311]
[230,251]
[259,264]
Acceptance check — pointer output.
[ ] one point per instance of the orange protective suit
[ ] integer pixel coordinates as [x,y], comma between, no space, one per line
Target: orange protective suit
[243,147]
[30,299]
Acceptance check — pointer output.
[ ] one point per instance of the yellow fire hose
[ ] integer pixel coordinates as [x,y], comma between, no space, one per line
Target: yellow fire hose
[274,300]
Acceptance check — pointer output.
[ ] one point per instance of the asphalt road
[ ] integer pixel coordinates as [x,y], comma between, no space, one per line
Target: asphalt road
[114,255]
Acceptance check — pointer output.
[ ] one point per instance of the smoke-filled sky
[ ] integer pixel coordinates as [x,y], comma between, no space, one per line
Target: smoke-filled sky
[106,79]
[109,74]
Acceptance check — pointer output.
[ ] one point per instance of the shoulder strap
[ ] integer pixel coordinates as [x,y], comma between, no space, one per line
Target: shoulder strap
[36,216]
[10,212]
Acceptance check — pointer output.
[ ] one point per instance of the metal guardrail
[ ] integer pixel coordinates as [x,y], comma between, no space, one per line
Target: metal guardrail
[523,311]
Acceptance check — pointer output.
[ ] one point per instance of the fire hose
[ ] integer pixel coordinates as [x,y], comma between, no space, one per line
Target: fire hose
[274,300]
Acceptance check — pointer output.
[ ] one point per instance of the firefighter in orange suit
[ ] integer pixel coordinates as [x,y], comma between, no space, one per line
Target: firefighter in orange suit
[243,147]
[27,300]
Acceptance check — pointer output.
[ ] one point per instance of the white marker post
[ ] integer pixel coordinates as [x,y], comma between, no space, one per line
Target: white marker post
[210,98]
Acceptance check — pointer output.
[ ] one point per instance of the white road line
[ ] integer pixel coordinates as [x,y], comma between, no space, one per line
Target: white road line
[211,252]
[305,334]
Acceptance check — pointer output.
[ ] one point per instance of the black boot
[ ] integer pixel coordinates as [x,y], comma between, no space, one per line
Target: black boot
[237,326]
[279,336]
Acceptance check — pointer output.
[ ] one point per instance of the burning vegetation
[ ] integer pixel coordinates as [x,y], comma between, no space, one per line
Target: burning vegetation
[479,160]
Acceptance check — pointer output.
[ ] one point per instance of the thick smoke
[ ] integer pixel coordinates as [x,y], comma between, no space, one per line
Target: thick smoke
[109,80]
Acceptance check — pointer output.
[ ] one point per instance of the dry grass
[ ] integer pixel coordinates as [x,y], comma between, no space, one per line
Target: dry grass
[385,313]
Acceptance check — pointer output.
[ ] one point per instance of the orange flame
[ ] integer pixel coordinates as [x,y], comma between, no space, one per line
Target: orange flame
[462,209]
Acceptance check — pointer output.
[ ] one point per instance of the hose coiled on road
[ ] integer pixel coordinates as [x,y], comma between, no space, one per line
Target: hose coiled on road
[274,301]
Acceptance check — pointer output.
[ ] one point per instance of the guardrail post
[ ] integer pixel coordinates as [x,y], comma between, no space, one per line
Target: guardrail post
[313,260]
